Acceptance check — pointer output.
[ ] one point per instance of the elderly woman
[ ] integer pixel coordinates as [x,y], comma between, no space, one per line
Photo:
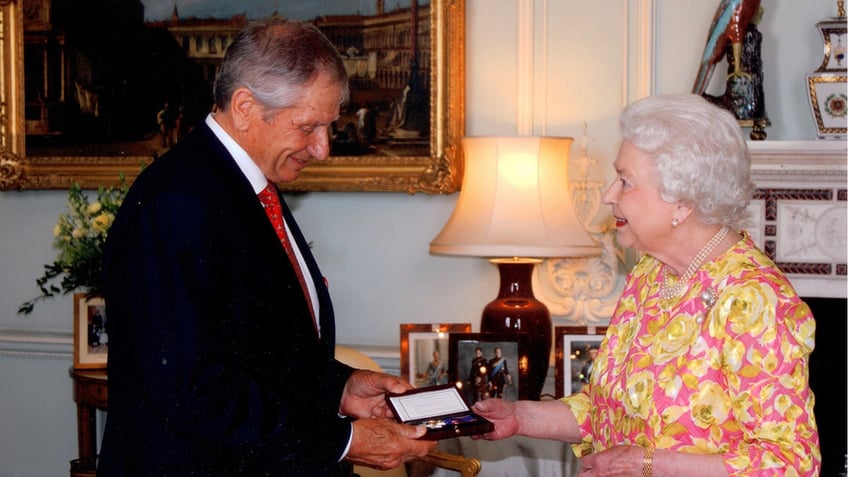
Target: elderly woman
[703,370]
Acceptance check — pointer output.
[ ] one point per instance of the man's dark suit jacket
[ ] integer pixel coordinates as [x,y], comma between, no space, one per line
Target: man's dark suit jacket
[214,364]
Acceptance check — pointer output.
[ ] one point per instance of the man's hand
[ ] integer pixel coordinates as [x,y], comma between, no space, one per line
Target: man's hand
[364,394]
[385,444]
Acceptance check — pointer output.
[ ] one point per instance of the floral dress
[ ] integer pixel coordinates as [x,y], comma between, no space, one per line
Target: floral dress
[721,370]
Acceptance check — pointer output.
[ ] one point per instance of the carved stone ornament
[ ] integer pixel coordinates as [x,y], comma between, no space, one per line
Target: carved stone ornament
[584,291]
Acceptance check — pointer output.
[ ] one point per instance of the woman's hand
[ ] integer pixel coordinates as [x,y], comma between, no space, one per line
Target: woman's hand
[539,419]
[619,461]
[627,461]
[501,413]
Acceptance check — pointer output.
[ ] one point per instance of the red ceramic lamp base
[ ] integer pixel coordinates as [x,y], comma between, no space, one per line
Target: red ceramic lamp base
[516,310]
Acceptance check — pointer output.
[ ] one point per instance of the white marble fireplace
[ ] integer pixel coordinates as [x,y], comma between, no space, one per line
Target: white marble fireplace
[801,210]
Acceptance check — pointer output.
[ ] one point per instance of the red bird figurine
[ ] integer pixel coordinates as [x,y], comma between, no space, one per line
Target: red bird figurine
[729,25]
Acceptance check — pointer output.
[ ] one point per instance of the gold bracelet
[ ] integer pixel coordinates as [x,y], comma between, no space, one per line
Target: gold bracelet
[648,462]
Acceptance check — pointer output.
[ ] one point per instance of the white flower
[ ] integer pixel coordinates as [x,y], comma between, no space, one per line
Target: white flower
[80,235]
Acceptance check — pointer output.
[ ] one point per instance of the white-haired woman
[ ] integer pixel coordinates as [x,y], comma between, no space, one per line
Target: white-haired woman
[704,367]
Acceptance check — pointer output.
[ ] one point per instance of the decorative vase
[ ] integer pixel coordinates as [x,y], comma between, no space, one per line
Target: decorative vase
[516,310]
[826,86]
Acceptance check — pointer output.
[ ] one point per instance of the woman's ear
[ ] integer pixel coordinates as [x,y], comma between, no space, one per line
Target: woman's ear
[682,211]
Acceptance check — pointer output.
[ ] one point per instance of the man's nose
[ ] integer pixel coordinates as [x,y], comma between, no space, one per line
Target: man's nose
[319,147]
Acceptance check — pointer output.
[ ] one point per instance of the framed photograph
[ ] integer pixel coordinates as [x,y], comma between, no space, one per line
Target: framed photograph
[576,348]
[425,351]
[487,365]
[91,343]
[80,108]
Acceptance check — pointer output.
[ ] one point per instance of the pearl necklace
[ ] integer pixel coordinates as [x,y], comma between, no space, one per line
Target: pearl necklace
[668,292]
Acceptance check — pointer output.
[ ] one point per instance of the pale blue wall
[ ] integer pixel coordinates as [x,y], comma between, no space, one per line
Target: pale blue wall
[373,247]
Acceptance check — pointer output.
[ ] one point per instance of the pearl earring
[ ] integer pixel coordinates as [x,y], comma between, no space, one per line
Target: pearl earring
[675,222]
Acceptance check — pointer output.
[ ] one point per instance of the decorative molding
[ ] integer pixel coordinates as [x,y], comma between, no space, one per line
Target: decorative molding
[792,163]
[524,69]
[640,31]
[36,344]
[638,52]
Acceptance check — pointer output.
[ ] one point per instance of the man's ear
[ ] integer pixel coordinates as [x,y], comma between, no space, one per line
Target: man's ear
[244,108]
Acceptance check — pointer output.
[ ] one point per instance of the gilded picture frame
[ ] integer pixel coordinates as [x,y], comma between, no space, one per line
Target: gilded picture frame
[439,172]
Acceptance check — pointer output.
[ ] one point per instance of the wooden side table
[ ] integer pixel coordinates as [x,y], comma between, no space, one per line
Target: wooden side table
[90,394]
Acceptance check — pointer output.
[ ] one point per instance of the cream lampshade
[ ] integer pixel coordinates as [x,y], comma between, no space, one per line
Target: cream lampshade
[515,207]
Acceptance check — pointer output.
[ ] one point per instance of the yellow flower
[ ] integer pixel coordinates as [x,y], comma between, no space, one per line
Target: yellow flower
[709,406]
[638,400]
[675,339]
[78,233]
[742,407]
[102,222]
[747,310]
[806,334]
[672,414]
[782,404]
[734,354]
[94,208]
[580,405]
[770,361]
[669,381]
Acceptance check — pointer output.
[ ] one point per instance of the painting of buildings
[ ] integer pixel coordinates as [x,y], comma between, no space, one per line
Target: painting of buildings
[101,80]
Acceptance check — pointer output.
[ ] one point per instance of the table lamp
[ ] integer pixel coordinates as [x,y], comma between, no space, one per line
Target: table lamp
[515,208]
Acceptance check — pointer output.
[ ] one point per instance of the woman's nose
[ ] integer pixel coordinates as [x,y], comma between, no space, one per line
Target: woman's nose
[609,196]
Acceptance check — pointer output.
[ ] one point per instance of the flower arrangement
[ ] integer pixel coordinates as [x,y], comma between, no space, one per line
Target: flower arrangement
[80,235]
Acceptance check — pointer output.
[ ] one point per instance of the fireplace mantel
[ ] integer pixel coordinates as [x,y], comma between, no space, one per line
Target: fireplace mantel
[800,211]
[794,163]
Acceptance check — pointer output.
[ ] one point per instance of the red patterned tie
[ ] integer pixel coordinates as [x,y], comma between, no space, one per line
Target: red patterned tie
[271,202]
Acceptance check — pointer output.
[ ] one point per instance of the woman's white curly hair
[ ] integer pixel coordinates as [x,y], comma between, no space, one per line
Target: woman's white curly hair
[700,153]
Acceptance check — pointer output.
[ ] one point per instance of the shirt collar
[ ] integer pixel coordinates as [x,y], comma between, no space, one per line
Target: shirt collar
[249,168]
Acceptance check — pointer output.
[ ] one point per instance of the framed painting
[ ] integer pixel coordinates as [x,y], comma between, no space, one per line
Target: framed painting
[425,351]
[575,351]
[91,343]
[90,93]
[487,365]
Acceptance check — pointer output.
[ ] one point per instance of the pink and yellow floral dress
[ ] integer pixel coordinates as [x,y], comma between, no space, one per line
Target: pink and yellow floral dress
[720,370]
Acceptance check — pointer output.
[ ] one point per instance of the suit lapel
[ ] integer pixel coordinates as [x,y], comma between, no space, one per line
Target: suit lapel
[326,315]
